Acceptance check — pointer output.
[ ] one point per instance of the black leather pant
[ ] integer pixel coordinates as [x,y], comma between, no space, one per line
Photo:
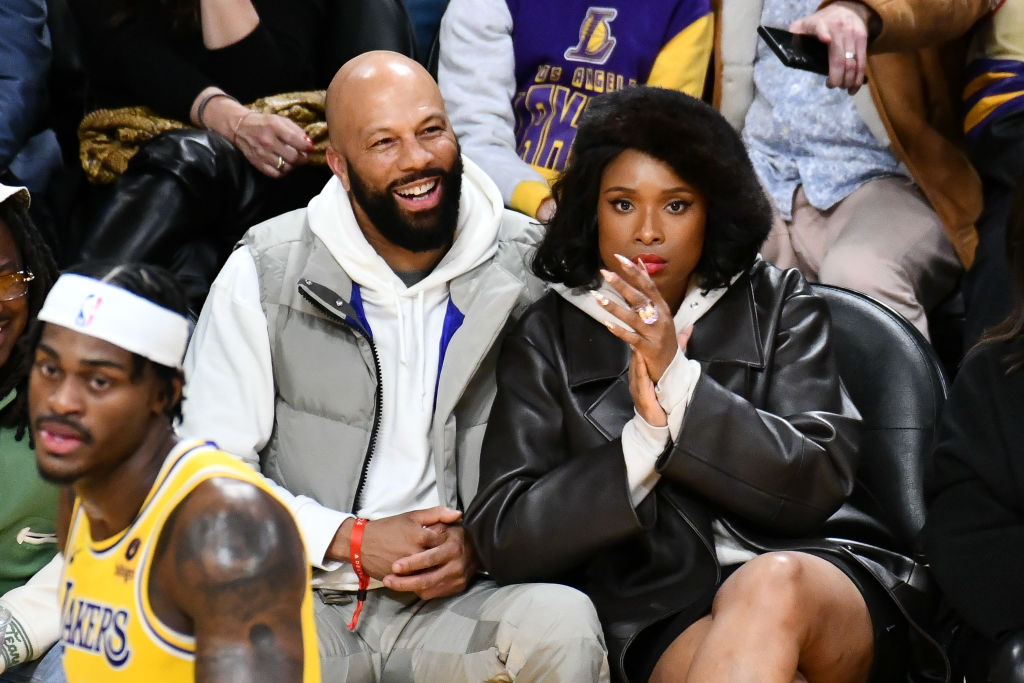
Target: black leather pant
[183,202]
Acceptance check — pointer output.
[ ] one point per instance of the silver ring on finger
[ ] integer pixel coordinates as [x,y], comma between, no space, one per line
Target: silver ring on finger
[648,312]
[280,162]
[850,55]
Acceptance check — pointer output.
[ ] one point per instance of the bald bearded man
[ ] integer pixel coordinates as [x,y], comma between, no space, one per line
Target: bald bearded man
[347,350]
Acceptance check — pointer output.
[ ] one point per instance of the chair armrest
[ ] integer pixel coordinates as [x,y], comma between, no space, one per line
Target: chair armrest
[1008,660]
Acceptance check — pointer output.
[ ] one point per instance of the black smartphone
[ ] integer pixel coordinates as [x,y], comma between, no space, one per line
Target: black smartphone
[796,50]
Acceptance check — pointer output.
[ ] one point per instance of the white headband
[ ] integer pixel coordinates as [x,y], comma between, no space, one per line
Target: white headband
[115,315]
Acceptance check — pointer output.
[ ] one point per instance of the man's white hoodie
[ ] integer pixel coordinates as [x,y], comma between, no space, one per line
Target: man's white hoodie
[406,325]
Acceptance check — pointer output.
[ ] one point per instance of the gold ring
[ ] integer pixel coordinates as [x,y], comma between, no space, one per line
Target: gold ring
[648,312]
[280,162]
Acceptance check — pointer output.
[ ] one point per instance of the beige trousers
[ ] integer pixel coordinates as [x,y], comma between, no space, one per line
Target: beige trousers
[528,632]
[884,240]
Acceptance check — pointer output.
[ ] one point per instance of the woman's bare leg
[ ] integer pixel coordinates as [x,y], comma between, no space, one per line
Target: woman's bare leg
[675,661]
[781,617]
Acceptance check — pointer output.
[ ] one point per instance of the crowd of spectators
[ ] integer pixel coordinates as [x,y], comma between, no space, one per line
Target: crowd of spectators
[899,174]
[231,167]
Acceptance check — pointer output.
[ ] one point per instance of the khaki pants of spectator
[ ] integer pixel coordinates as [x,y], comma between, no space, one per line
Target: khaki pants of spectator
[523,632]
[883,240]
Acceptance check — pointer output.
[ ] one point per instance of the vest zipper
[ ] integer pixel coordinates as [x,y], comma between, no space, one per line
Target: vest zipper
[377,408]
[378,394]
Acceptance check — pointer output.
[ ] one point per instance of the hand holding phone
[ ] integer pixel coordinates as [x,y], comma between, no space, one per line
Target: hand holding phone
[796,50]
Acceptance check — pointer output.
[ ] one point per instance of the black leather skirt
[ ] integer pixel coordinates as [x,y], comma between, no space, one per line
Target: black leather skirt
[888,623]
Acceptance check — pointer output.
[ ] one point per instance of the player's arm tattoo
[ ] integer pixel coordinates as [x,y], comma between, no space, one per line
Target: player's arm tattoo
[241,575]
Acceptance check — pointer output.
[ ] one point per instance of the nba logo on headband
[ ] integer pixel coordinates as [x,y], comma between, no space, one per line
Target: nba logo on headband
[88,310]
[104,311]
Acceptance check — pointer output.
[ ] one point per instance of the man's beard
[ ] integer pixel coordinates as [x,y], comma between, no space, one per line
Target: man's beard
[424,231]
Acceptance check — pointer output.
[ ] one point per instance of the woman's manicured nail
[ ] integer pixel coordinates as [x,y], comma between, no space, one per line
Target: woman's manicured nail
[601,298]
[607,275]
[625,261]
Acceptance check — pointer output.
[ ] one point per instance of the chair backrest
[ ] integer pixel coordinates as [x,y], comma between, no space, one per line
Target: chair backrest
[896,381]
[434,58]
[357,26]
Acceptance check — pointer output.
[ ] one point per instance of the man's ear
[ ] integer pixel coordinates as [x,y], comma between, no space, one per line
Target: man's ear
[337,164]
[177,386]
[162,401]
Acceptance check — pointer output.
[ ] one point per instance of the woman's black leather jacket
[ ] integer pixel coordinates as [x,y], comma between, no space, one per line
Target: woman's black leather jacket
[768,443]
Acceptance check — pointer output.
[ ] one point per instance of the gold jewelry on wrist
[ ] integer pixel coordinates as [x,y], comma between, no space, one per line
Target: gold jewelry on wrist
[238,123]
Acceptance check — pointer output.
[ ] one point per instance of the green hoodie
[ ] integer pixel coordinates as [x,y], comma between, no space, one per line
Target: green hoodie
[28,509]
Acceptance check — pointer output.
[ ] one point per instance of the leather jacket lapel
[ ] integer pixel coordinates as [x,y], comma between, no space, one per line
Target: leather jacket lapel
[604,356]
[731,332]
[612,409]
[605,361]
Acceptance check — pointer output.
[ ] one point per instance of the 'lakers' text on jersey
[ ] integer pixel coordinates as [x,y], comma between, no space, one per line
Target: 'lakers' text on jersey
[568,52]
[109,629]
[95,628]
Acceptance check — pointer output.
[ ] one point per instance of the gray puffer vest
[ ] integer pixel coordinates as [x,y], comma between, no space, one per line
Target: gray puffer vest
[328,399]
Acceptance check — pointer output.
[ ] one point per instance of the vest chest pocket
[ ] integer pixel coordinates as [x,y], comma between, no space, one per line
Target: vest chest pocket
[321,368]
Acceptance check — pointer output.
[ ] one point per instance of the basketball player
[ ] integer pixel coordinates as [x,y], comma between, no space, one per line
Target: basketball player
[180,564]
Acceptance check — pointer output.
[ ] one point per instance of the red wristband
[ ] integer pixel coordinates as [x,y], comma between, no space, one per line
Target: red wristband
[355,553]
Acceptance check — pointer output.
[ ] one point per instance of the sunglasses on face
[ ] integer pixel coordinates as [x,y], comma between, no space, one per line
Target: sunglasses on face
[15,285]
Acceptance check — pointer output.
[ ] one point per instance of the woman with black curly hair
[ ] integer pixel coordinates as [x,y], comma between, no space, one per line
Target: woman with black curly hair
[670,432]
[28,505]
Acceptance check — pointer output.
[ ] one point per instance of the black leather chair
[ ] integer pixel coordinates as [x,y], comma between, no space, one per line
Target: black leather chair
[435,56]
[897,382]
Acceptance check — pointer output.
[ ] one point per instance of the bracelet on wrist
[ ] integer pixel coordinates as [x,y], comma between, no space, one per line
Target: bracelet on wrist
[238,123]
[201,109]
[355,555]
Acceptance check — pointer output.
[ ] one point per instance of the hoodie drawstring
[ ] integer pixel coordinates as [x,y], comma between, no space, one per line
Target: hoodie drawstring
[420,325]
[418,332]
[403,358]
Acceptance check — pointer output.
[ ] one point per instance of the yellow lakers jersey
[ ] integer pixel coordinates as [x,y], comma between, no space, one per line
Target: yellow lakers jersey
[108,629]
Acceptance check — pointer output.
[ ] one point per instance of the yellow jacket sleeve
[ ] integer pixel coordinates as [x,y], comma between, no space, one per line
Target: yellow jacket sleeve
[683,63]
